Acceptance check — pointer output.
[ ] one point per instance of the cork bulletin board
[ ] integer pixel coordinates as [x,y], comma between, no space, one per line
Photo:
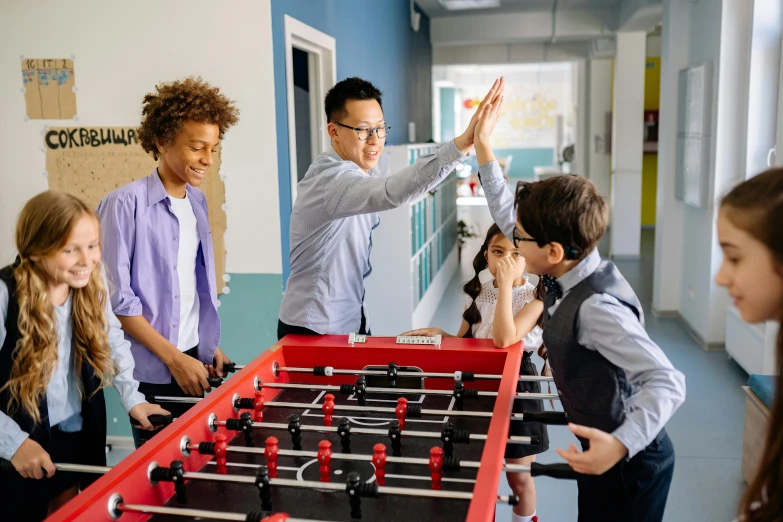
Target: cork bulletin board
[49,92]
[90,162]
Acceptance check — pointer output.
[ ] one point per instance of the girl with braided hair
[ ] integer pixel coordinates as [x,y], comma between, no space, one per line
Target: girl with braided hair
[508,309]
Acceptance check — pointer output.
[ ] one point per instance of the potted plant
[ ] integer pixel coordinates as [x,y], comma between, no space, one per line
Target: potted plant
[464,232]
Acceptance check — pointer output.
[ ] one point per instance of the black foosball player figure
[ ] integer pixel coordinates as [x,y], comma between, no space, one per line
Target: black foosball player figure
[395,434]
[295,429]
[391,373]
[361,391]
[344,430]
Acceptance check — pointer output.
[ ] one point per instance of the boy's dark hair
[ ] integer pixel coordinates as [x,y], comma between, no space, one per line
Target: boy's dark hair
[164,111]
[348,89]
[563,209]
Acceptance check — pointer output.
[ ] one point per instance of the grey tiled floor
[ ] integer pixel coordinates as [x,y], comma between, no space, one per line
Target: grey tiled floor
[706,430]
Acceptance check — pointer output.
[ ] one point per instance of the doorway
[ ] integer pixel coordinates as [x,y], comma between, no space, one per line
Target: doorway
[310,73]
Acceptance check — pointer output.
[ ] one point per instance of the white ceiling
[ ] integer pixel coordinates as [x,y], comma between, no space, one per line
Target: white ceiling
[434,9]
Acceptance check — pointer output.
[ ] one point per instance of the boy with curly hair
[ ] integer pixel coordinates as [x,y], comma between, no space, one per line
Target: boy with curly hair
[157,245]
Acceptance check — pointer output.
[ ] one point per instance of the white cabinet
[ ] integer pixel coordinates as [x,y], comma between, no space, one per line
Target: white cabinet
[751,345]
[414,253]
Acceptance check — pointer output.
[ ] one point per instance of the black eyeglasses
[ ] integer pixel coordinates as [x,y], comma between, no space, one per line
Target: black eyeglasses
[518,239]
[364,133]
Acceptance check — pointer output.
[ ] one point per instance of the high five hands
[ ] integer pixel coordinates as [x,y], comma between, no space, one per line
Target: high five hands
[483,121]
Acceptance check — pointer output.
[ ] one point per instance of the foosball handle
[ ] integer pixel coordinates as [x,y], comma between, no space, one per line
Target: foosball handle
[6,466]
[558,471]
[156,420]
[214,382]
[344,429]
[546,417]
[229,367]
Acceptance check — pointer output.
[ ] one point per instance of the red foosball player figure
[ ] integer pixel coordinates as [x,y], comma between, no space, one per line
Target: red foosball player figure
[328,408]
[379,461]
[271,453]
[325,458]
[436,466]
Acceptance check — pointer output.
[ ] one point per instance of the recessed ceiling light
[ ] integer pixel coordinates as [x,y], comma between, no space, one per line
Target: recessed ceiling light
[461,5]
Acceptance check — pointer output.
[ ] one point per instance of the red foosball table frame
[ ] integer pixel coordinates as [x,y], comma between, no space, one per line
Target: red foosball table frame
[129,478]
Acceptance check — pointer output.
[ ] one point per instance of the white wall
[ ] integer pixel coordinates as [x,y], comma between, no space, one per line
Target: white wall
[698,224]
[688,253]
[599,135]
[627,127]
[668,231]
[121,51]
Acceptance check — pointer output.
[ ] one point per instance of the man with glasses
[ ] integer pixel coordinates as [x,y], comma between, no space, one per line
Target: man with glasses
[337,207]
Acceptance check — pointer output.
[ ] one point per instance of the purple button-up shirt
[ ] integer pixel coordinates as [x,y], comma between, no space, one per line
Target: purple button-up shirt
[140,247]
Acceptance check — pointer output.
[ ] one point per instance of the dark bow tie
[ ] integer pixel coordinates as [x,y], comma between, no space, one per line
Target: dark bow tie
[552,286]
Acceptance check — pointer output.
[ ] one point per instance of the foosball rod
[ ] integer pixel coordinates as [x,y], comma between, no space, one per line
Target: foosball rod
[328,371]
[404,391]
[543,417]
[311,484]
[214,423]
[536,469]
[117,507]
[292,483]
[558,417]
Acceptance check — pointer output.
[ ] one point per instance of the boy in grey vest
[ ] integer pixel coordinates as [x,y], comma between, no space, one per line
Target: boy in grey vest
[616,385]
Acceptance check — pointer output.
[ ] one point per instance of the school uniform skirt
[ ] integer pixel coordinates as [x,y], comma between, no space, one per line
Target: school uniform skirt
[528,429]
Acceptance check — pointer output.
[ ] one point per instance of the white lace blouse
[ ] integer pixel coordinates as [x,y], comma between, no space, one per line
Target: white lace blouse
[486,303]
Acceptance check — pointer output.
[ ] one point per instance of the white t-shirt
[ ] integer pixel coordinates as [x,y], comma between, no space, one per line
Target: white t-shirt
[186,269]
[486,302]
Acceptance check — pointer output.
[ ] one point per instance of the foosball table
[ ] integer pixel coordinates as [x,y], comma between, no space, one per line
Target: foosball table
[332,428]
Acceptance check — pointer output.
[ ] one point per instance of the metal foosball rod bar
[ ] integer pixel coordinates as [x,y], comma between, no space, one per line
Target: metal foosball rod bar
[403,411]
[245,424]
[391,372]
[117,507]
[354,487]
[379,458]
[348,389]
[414,411]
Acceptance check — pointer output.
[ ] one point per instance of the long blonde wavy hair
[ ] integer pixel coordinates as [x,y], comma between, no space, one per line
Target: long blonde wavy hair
[43,229]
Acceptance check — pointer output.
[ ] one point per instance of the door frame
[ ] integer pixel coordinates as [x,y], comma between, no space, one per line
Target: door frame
[322,69]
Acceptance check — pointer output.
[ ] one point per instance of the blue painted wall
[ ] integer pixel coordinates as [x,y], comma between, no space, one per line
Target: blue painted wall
[374,41]
[447,113]
[523,162]
[248,316]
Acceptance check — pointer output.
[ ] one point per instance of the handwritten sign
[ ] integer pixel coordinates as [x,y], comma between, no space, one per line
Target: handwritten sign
[90,162]
[48,88]
[529,117]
